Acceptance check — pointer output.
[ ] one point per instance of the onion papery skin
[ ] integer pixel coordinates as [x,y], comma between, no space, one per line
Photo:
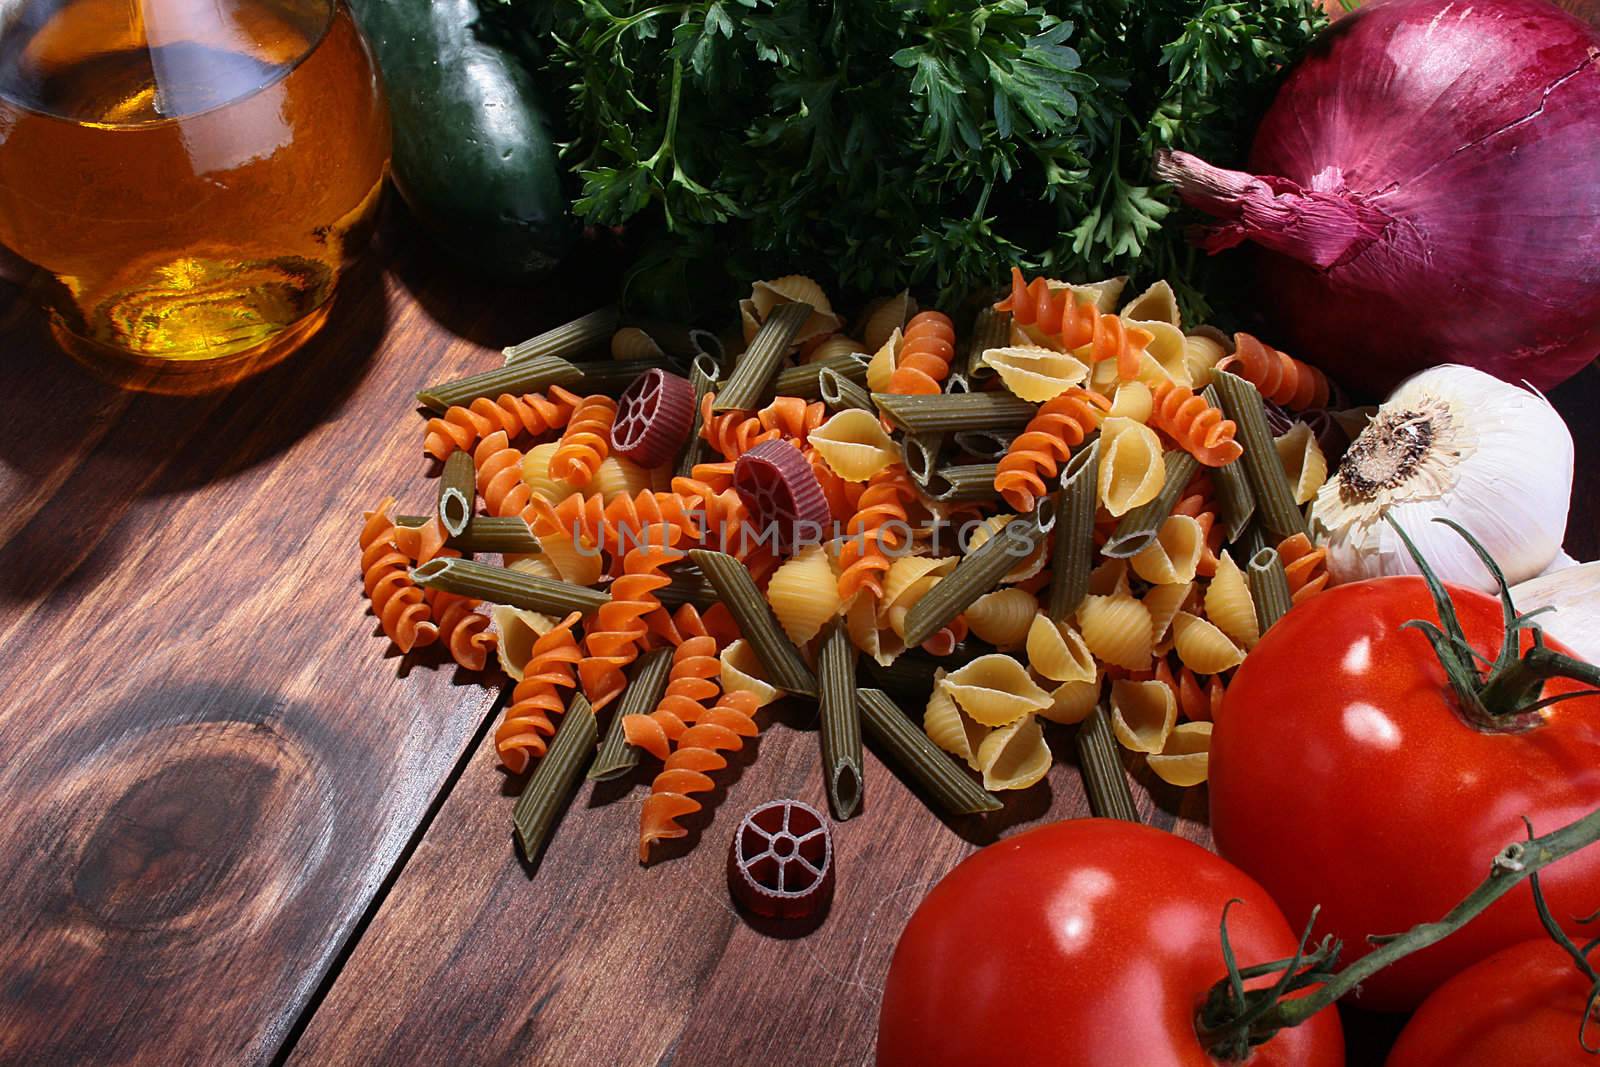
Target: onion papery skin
[1440,199]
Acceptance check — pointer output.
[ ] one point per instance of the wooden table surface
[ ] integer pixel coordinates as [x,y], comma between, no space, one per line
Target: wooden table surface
[241,830]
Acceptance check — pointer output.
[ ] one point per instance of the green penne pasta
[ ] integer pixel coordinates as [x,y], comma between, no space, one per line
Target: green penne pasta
[910,675]
[905,746]
[840,728]
[805,381]
[990,329]
[786,668]
[921,451]
[458,492]
[1235,501]
[703,372]
[569,339]
[612,376]
[1253,540]
[978,573]
[839,392]
[646,684]
[940,413]
[754,370]
[523,376]
[1072,550]
[984,444]
[501,585]
[550,789]
[1269,587]
[1101,766]
[1139,527]
[485,534]
[1270,485]
[961,483]
[688,586]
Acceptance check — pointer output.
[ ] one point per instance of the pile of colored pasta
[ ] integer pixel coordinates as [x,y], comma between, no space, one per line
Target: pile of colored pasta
[1061,513]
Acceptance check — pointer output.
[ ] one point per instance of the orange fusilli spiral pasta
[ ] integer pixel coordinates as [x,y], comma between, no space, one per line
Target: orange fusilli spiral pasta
[879,524]
[520,737]
[1199,504]
[792,417]
[843,497]
[1197,703]
[586,441]
[925,355]
[1281,378]
[462,629]
[532,413]
[578,516]
[732,433]
[619,627]
[698,753]
[726,527]
[627,516]
[1305,565]
[386,576]
[1045,443]
[1197,427]
[1055,314]
[422,543]
[500,475]
[691,687]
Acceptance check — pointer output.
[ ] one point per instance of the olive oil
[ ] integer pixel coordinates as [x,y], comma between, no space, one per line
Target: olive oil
[186,178]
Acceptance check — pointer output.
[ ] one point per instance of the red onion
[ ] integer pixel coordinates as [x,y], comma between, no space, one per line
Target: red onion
[1429,193]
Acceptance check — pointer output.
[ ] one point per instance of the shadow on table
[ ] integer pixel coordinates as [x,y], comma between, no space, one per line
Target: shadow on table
[78,451]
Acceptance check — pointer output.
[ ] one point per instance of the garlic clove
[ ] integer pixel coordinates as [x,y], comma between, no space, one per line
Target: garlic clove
[1574,591]
[1456,443]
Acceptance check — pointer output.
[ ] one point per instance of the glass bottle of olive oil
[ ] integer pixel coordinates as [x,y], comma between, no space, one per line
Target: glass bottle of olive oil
[185,179]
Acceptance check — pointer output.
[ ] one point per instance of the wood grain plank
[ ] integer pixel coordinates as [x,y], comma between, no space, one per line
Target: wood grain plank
[212,764]
[592,959]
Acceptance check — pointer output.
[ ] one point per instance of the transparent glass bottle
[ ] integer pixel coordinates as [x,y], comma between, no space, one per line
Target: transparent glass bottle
[185,180]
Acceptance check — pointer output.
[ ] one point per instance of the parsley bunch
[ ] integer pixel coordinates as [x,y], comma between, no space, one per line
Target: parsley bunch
[888,143]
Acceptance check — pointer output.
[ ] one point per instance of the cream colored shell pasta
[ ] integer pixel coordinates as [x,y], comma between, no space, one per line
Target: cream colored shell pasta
[995,690]
[1109,578]
[1015,756]
[804,593]
[869,633]
[1036,374]
[1156,304]
[1167,350]
[1132,465]
[1117,630]
[1202,352]
[792,288]
[885,358]
[1185,760]
[1058,652]
[1202,647]
[1229,604]
[951,728]
[1071,702]
[886,317]
[1174,555]
[536,472]
[1132,400]
[616,476]
[630,342]
[1302,461]
[1002,617]
[742,672]
[517,629]
[1143,714]
[1163,602]
[575,563]
[854,445]
[837,345]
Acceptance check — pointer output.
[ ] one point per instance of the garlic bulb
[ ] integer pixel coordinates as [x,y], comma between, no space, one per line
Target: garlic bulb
[1451,442]
[1574,592]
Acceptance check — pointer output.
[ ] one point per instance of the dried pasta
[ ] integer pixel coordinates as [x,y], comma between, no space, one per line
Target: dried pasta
[1035,373]
[462,628]
[1072,702]
[1229,605]
[742,672]
[886,317]
[1003,618]
[951,728]
[995,690]
[1174,556]
[1143,714]
[386,576]
[585,442]
[804,594]
[1132,400]
[1059,426]
[1185,759]
[1156,304]
[1282,379]
[630,342]
[1197,427]
[687,769]
[1117,629]
[1014,756]
[1305,566]
[927,346]
[522,734]
[1132,465]
[854,445]
[613,640]
[1302,461]
[792,288]
[1163,603]
[1058,652]
[500,483]
[1202,646]
[1077,327]
[461,428]
[536,472]
[878,527]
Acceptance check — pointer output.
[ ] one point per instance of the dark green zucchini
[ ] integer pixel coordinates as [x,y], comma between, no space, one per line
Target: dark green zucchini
[473,156]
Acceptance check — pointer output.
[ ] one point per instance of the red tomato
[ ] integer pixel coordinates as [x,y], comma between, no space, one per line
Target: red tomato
[1342,774]
[1521,1005]
[1090,942]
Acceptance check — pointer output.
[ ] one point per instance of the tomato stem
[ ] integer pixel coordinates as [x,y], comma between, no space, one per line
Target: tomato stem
[1504,699]
[1230,1025]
